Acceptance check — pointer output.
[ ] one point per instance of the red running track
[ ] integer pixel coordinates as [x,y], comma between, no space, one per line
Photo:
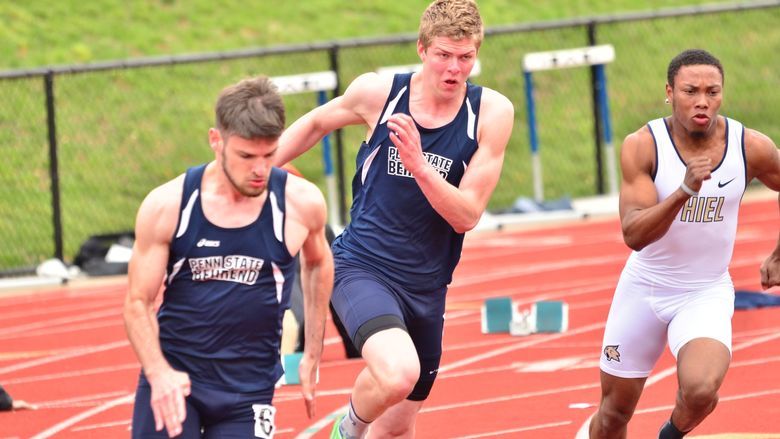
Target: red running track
[65,349]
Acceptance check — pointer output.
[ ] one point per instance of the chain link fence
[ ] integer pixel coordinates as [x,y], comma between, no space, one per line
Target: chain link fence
[115,131]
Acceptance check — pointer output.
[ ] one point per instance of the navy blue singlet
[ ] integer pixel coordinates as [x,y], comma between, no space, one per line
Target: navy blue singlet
[394,230]
[226,292]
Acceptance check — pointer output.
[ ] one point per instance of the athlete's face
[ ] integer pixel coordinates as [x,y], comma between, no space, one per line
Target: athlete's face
[448,62]
[247,163]
[696,97]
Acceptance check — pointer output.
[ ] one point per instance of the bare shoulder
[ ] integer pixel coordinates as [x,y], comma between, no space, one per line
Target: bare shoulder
[760,150]
[638,150]
[368,91]
[497,116]
[763,158]
[305,201]
[164,195]
[758,141]
[641,138]
[372,82]
[364,98]
[159,211]
[495,103]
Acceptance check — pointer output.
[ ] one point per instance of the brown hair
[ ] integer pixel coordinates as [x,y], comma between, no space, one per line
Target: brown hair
[456,19]
[250,109]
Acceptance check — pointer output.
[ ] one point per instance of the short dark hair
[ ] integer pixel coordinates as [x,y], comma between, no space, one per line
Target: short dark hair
[250,109]
[692,57]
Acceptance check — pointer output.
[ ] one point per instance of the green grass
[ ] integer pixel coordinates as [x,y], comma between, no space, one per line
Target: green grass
[123,132]
[42,32]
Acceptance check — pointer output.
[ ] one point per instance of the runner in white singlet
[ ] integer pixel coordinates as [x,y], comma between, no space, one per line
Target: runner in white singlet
[683,180]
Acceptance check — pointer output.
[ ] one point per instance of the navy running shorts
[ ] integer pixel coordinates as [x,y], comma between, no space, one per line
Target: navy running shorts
[367,302]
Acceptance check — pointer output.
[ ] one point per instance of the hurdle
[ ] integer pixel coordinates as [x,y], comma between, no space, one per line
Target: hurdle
[503,315]
[290,363]
[319,82]
[596,56]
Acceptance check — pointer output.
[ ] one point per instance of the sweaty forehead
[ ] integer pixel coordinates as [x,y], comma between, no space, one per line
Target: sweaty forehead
[463,45]
[699,74]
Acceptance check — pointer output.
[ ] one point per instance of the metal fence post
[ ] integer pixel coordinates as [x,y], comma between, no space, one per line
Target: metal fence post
[48,83]
[597,124]
[334,66]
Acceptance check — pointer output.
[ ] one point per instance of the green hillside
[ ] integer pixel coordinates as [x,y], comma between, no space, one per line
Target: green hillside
[122,132]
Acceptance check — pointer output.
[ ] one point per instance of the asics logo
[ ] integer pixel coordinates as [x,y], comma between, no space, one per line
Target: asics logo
[207,243]
[721,184]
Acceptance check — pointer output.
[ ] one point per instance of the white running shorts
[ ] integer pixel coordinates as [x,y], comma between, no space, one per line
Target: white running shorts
[644,316]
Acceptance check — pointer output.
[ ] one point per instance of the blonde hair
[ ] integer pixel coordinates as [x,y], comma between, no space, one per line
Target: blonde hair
[456,19]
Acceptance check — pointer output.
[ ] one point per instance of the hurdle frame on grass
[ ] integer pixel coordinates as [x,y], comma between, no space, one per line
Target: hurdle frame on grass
[319,82]
[595,56]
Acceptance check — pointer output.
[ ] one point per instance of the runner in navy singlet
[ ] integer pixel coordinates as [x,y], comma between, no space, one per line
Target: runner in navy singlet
[219,244]
[432,157]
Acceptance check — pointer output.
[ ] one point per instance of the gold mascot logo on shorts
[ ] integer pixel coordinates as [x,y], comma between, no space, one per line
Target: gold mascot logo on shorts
[612,353]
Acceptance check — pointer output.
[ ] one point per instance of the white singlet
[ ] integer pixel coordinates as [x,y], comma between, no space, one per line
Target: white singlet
[679,286]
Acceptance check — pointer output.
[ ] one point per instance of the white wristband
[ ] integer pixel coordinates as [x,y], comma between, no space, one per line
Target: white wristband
[688,190]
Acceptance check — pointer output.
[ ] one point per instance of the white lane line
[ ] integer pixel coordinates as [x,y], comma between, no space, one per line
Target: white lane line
[509,397]
[720,400]
[104,425]
[73,374]
[82,401]
[516,430]
[112,323]
[127,399]
[516,346]
[29,312]
[75,353]
[521,268]
[23,329]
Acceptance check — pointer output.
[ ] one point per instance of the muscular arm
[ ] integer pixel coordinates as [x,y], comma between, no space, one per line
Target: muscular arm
[763,160]
[360,104]
[155,222]
[460,206]
[310,214]
[644,219]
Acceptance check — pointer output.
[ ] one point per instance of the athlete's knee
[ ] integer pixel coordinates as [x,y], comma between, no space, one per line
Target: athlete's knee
[612,418]
[394,375]
[394,363]
[701,396]
[400,382]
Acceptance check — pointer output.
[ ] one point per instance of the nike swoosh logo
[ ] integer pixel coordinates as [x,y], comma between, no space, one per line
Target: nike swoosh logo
[721,184]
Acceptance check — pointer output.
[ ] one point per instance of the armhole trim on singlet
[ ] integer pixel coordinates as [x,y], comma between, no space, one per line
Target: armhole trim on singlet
[391,106]
[278,217]
[744,158]
[175,270]
[654,171]
[472,120]
[184,220]
[367,164]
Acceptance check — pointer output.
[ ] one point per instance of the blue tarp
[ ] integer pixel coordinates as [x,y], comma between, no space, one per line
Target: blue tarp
[754,299]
